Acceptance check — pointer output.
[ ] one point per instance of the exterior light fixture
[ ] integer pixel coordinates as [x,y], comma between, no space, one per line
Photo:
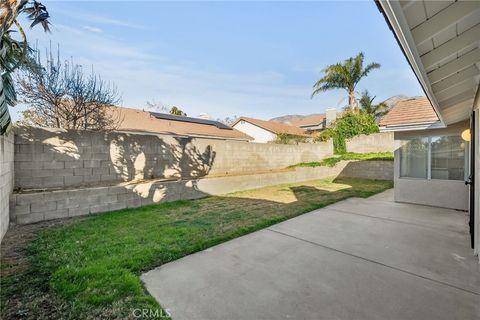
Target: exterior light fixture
[466,135]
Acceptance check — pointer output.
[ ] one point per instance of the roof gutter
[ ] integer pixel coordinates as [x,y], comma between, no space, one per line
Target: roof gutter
[412,126]
[397,24]
[476,100]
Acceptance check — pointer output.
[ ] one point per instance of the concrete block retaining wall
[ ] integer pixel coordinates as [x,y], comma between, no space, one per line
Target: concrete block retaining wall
[57,158]
[6,180]
[39,206]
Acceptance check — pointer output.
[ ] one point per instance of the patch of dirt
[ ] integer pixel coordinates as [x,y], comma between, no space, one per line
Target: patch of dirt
[13,249]
[24,295]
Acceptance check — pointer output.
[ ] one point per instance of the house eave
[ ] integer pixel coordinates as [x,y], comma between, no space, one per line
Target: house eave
[412,126]
[398,24]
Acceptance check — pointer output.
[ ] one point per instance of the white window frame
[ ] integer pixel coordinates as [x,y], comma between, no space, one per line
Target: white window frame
[429,159]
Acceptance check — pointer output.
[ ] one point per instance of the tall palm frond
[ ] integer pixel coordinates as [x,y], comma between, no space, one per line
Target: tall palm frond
[14,53]
[367,106]
[345,76]
[4,114]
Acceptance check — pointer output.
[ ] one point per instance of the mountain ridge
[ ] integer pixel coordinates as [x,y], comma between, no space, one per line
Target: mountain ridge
[288,118]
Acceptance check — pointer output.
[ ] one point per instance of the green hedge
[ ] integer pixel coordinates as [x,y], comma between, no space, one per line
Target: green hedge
[332,161]
[287,138]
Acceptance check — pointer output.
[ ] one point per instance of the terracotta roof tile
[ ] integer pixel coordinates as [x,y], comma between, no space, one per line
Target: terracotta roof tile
[308,121]
[136,120]
[410,111]
[275,127]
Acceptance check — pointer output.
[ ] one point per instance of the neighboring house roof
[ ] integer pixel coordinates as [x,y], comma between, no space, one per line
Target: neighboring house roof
[272,126]
[135,120]
[313,120]
[309,121]
[410,113]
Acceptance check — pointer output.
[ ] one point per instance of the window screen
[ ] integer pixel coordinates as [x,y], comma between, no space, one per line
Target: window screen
[447,158]
[414,158]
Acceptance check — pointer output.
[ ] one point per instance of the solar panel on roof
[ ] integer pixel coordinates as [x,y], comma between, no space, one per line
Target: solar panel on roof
[172,117]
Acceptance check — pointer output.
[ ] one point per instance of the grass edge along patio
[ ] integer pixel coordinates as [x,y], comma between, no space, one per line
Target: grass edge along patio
[91,265]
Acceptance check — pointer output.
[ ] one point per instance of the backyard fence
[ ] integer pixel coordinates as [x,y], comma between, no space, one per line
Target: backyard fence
[65,173]
[57,158]
[375,142]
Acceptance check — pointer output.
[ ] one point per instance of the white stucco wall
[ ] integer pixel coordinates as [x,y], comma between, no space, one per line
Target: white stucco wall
[260,135]
[434,192]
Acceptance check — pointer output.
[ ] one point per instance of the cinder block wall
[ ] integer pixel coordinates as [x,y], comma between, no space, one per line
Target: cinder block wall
[56,158]
[6,179]
[377,170]
[39,206]
[375,142]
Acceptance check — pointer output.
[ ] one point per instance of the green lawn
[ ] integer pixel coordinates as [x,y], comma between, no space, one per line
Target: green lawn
[89,268]
[332,161]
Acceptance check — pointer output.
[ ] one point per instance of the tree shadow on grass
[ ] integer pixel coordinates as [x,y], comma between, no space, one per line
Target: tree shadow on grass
[91,267]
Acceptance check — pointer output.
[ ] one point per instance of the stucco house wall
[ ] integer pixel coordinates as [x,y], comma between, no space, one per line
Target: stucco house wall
[434,192]
[259,134]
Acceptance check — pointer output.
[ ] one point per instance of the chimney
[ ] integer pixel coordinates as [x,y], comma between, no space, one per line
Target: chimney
[330,116]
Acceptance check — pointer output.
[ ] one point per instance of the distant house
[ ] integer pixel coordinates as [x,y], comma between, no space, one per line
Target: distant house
[265,131]
[139,121]
[410,114]
[316,123]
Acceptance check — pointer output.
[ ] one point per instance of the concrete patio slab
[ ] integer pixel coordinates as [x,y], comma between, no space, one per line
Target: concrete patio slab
[410,213]
[340,262]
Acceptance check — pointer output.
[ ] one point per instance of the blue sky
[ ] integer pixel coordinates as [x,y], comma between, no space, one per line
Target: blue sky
[256,59]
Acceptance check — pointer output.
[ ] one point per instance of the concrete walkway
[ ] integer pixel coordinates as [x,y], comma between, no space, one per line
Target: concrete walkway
[357,259]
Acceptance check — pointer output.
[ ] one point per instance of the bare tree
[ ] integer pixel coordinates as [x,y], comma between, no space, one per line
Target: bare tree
[228,120]
[62,95]
[156,106]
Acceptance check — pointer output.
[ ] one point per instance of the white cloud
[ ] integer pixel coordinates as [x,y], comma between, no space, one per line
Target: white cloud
[77,14]
[142,76]
[111,21]
[92,29]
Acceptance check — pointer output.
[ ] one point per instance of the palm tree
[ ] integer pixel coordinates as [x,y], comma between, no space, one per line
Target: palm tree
[14,53]
[346,76]
[376,110]
[177,112]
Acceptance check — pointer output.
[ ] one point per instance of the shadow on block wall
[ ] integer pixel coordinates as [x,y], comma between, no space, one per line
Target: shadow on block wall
[56,158]
[65,173]
[368,169]
[130,171]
